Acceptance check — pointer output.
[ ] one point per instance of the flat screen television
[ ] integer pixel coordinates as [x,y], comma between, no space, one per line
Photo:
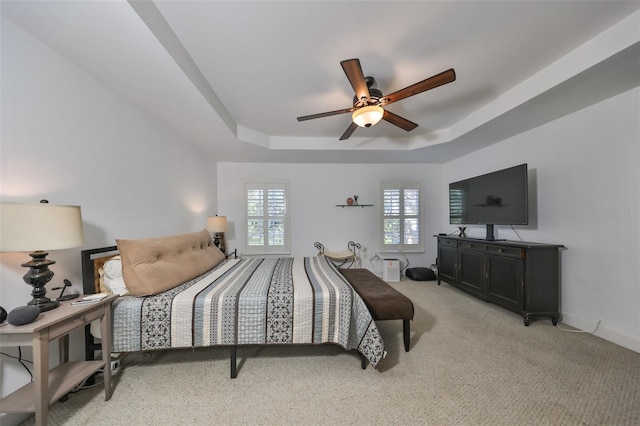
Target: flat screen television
[497,198]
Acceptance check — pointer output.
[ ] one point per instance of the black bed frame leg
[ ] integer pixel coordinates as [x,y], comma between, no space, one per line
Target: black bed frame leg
[363,361]
[406,332]
[233,356]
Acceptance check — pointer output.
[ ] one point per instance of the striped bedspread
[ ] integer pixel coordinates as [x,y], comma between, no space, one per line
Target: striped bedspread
[251,301]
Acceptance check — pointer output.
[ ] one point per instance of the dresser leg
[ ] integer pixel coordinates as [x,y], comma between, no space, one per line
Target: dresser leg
[41,376]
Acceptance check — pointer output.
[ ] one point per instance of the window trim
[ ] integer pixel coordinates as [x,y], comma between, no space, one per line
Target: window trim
[265,249]
[402,185]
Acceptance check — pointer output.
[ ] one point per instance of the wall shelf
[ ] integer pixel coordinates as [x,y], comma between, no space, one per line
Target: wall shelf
[354,205]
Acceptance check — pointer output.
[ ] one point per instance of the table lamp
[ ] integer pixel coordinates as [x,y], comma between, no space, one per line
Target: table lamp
[218,226]
[34,228]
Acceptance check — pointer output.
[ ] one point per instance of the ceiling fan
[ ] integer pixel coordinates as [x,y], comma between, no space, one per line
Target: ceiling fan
[368,101]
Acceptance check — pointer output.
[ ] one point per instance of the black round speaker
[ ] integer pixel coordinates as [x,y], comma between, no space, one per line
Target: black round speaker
[3,315]
[23,315]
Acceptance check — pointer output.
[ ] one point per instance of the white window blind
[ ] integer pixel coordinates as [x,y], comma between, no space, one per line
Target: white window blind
[266,218]
[401,218]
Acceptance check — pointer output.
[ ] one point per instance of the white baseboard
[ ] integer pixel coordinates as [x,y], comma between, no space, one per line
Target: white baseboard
[619,338]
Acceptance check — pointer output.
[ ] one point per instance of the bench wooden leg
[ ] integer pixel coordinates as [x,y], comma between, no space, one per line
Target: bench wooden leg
[233,356]
[406,331]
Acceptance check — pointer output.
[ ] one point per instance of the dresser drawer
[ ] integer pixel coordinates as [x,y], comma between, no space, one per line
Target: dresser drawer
[447,242]
[514,252]
[472,245]
[77,321]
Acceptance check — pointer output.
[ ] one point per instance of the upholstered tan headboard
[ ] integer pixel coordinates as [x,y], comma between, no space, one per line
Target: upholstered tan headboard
[153,265]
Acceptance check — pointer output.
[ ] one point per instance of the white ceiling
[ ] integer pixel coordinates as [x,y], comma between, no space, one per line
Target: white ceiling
[232,76]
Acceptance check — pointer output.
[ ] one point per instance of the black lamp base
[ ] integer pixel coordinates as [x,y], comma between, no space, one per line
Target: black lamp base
[217,240]
[45,305]
[38,276]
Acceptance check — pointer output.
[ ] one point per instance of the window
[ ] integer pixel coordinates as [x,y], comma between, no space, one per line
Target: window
[401,219]
[267,224]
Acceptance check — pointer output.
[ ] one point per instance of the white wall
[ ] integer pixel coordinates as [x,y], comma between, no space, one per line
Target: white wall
[68,138]
[314,191]
[586,192]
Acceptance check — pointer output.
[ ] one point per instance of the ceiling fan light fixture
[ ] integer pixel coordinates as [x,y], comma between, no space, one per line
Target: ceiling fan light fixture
[367,116]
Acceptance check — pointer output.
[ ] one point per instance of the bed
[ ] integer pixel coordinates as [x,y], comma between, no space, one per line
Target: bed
[224,302]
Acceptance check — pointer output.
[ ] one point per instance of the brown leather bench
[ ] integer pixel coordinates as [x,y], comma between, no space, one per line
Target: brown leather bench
[384,302]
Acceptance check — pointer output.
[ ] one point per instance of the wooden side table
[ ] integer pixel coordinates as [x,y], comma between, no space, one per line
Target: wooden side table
[49,386]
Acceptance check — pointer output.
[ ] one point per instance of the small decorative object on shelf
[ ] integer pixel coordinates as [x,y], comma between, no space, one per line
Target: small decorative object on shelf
[355,198]
[349,201]
[463,232]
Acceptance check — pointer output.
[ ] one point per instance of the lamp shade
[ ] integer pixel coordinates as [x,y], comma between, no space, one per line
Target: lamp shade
[39,226]
[217,224]
[367,116]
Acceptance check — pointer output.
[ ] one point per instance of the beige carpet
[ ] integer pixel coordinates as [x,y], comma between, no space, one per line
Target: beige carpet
[471,363]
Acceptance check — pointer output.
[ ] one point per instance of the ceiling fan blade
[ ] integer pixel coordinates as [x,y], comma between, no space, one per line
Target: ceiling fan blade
[352,128]
[354,73]
[430,83]
[403,123]
[325,114]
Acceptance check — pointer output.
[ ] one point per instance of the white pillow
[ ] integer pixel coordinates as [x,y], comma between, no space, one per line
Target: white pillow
[113,279]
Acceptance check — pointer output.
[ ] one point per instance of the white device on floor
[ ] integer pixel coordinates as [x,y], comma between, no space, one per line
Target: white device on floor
[391,271]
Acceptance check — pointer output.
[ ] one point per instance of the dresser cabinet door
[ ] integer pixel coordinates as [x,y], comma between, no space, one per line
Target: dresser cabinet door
[447,260]
[471,271]
[505,281]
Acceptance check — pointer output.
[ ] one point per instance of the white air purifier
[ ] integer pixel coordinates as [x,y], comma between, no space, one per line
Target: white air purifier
[391,271]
